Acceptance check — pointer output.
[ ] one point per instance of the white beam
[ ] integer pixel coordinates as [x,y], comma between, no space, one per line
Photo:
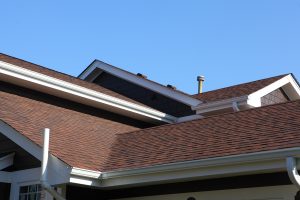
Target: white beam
[5,177]
[7,161]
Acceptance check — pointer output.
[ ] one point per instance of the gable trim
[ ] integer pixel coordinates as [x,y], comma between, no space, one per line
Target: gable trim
[288,79]
[59,171]
[69,89]
[173,94]
[287,83]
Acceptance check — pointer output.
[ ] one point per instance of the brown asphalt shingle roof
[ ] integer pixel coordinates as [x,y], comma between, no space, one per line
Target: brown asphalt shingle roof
[62,76]
[236,90]
[79,139]
[255,130]
[86,141]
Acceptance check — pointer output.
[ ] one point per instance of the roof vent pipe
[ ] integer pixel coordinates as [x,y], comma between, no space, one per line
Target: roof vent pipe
[200,80]
[44,171]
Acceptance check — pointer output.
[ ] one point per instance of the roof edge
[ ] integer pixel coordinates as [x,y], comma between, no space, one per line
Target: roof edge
[151,85]
[203,168]
[232,159]
[32,77]
[58,169]
[253,99]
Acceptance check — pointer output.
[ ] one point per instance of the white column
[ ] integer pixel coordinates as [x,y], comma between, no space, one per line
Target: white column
[14,191]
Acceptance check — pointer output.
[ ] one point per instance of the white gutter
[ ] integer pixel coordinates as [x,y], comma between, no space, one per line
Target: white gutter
[291,166]
[207,164]
[222,104]
[86,173]
[219,161]
[44,168]
[78,91]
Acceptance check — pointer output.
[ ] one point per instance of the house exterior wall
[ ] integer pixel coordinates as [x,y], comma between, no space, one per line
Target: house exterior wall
[277,96]
[283,192]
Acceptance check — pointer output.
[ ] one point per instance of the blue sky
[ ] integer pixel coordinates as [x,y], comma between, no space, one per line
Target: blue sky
[227,41]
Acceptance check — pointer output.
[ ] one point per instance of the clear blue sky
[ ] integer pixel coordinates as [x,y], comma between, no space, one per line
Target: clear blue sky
[227,41]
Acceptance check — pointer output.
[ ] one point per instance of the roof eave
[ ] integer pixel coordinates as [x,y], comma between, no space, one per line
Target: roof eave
[24,77]
[288,82]
[173,94]
[258,162]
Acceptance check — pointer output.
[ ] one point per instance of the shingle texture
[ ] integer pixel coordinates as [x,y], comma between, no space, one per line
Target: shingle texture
[79,139]
[86,141]
[64,77]
[236,90]
[255,130]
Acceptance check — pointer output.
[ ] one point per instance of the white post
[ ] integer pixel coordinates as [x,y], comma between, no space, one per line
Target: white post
[46,136]
[44,169]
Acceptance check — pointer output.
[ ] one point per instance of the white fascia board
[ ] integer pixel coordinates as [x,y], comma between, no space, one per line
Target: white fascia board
[219,105]
[195,174]
[85,177]
[206,168]
[5,177]
[58,171]
[295,84]
[86,173]
[189,118]
[72,89]
[173,94]
[7,161]
[254,98]
[219,161]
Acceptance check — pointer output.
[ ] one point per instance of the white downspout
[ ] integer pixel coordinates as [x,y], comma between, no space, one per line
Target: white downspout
[291,166]
[43,179]
[235,106]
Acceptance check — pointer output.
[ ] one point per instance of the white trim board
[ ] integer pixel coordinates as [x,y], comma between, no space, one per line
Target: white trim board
[37,81]
[6,161]
[287,83]
[259,162]
[173,94]
[58,171]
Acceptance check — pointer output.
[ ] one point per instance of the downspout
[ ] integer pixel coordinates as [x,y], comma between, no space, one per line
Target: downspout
[45,185]
[235,106]
[291,166]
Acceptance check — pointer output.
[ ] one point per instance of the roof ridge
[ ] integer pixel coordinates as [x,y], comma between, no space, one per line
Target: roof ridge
[240,84]
[214,116]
